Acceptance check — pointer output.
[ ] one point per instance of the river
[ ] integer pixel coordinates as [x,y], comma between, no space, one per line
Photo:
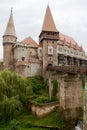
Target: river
[79,126]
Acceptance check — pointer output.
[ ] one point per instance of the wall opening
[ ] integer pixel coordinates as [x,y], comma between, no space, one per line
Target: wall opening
[50,64]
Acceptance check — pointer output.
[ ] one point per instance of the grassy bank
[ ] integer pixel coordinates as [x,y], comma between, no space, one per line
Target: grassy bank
[29,122]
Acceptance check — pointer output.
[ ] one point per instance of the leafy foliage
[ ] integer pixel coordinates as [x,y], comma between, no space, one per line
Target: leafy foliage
[16,92]
[55,89]
[83,81]
[42,99]
[38,85]
[12,88]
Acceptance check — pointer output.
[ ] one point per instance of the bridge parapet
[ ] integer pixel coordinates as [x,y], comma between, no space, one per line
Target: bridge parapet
[69,69]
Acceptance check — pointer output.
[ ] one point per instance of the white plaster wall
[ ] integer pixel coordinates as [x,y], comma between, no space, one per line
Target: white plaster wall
[70,52]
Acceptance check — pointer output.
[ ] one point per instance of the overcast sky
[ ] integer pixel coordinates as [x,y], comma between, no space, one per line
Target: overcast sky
[70,17]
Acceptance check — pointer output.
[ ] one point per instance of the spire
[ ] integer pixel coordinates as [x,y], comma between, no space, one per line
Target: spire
[76,46]
[48,24]
[70,45]
[81,48]
[64,42]
[10,29]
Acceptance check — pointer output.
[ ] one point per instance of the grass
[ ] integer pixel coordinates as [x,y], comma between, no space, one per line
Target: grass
[34,129]
[30,122]
[51,120]
[28,129]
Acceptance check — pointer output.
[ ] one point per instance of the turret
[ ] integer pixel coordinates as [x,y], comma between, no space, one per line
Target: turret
[49,31]
[9,39]
[48,38]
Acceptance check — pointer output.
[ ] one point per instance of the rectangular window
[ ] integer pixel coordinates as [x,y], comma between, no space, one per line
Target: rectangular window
[60,49]
[50,50]
[67,51]
[64,50]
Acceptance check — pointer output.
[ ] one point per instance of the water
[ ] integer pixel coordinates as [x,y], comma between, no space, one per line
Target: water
[79,126]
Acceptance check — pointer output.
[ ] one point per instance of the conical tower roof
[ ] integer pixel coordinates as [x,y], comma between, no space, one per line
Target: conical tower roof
[48,24]
[10,29]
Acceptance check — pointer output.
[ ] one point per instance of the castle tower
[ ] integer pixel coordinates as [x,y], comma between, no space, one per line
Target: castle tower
[9,39]
[48,38]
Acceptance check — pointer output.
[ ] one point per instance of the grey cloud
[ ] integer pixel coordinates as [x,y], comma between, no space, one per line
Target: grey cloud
[7,2]
[69,16]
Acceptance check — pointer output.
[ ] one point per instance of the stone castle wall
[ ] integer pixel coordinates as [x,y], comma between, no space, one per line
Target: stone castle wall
[45,109]
[85,111]
[70,94]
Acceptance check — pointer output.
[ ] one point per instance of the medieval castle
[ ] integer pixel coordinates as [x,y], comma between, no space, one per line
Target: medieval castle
[30,58]
[54,49]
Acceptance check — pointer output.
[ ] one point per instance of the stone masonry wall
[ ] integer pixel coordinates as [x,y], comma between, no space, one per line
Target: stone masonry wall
[70,94]
[73,91]
[45,109]
[29,70]
[8,56]
[85,111]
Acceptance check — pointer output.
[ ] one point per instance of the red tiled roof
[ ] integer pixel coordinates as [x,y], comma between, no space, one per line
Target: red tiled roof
[10,29]
[70,44]
[81,48]
[48,24]
[30,42]
[76,46]
[68,38]
[71,41]
[40,45]
[64,42]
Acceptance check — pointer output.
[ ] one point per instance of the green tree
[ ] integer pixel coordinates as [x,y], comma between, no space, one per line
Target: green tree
[12,92]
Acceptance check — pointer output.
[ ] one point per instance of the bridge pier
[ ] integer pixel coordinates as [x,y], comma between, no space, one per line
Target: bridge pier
[70,94]
[72,102]
[85,108]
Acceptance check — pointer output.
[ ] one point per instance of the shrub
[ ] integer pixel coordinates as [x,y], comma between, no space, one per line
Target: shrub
[54,92]
[10,108]
[38,85]
[14,125]
[42,99]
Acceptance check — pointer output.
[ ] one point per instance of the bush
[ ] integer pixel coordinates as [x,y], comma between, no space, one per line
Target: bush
[14,125]
[42,99]
[54,92]
[38,85]
[10,108]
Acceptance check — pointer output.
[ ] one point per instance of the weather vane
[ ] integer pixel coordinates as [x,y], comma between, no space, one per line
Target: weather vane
[11,10]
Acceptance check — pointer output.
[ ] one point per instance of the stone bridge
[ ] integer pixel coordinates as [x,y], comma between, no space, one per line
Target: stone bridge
[69,89]
[71,69]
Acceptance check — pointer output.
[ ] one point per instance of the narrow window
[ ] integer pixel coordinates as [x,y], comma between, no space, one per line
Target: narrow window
[23,58]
